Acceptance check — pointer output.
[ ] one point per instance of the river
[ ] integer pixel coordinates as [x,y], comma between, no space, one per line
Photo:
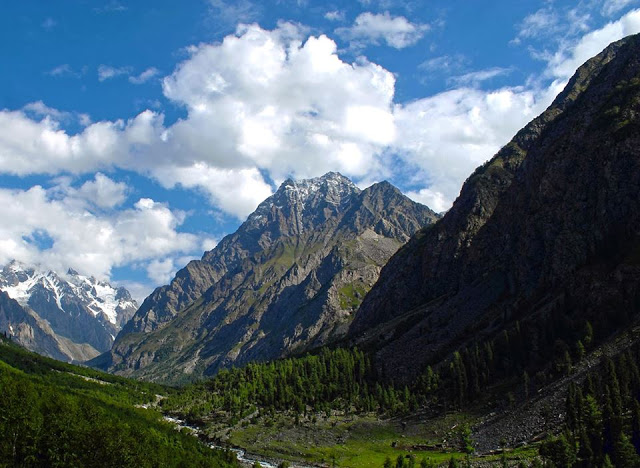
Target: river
[243,457]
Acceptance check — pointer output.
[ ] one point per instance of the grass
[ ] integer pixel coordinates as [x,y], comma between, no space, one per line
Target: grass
[351,295]
[362,441]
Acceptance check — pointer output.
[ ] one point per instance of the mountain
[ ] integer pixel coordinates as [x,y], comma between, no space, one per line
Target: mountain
[542,238]
[71,318]
[289,278]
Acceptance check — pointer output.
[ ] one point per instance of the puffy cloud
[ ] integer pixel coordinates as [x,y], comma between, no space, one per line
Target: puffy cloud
[444,137]
[264,98]
[28,146]
[236,191]
[435,200]
[104,192]
[88,240]
[144,76]
[370,28]
[260,102]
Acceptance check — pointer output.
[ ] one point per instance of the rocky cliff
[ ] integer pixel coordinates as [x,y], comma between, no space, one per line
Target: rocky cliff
[289,278]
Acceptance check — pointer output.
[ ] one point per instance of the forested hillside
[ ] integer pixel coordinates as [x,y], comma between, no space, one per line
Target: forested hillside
[58,415]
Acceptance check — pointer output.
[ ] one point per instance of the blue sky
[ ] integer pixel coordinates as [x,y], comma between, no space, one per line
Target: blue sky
[135,135]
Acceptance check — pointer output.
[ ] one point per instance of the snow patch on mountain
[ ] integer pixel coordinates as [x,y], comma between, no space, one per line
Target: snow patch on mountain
[19,281]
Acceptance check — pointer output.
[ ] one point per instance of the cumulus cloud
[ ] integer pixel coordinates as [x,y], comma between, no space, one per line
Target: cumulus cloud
[264,98]
[266,104]
[103,192]
[396,31]
[87,240]
[29,146]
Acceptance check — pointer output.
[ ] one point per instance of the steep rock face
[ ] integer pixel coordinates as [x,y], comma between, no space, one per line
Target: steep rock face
[560,202]
[81,315]
[289,278]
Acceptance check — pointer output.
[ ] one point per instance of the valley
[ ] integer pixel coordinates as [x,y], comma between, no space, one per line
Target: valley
[347,325]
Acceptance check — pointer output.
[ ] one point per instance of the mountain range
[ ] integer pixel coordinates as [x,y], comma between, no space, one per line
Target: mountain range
[69,317]
[290,278]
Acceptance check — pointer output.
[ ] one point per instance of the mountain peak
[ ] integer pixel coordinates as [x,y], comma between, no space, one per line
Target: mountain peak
[310,186]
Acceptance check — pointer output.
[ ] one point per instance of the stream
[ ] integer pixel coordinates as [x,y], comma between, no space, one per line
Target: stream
[243,457]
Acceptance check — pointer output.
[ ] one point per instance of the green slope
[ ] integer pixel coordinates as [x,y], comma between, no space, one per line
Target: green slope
[54,414]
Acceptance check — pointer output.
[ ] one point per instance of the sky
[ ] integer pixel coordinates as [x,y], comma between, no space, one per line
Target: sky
[134,135]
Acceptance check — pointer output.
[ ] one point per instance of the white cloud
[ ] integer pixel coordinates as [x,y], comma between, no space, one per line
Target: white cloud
[161,271]
[477,77]
[334,15]
[89,241]
[446,63]
[255,102]
[277,103]
[263,98]
[144,76]
[209,244]
[66,70]
[545,21]
[611,7]
[106,72]
[40,109]
[103,192]
[237,191]
[565,61]
[234,12]
[28,146]
[437,201]
[111,7]
[395,31]
[445,137]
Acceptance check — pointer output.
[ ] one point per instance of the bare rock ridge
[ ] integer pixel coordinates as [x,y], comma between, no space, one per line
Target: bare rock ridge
[68,317]
[550,222]
[289,278]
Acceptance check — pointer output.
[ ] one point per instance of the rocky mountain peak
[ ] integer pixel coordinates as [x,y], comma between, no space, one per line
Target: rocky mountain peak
[289,278]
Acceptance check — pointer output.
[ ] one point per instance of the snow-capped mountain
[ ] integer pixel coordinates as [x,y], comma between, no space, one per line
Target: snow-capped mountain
[81,309]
